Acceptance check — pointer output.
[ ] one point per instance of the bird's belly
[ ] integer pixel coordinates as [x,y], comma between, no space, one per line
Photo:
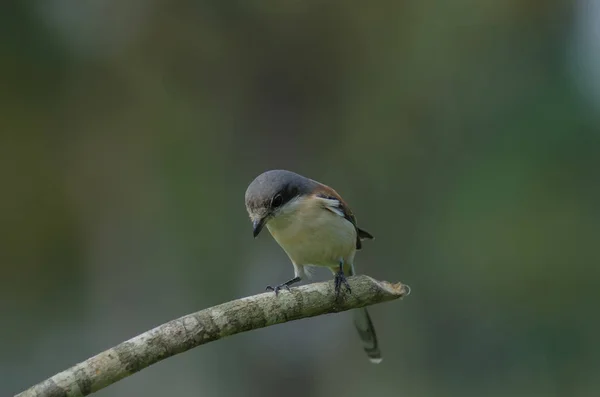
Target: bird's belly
[322,239]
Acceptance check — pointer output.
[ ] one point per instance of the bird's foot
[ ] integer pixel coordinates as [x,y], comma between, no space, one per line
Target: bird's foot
[278,288]
[285,285]
[340,279]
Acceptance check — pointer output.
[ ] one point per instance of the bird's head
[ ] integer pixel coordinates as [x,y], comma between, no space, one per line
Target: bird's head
[270,194]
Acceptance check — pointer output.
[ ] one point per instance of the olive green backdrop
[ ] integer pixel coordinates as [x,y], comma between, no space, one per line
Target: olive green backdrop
[465,135]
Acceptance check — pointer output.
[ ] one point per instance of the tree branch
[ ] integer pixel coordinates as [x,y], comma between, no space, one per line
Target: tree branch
[208,325]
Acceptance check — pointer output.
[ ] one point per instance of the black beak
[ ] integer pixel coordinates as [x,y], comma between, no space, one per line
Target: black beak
[258,226]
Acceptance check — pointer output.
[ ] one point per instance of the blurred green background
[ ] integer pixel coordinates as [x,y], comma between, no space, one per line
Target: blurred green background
[464,134]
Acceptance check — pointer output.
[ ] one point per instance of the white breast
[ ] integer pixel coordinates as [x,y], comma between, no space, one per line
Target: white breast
[312,235]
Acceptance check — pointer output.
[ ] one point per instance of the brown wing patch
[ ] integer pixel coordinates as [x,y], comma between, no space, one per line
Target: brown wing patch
[328,193]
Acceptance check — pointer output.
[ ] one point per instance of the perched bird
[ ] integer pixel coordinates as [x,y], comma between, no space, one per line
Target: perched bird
[315,227]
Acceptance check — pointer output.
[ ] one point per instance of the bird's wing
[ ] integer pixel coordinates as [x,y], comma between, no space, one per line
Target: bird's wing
[334,203]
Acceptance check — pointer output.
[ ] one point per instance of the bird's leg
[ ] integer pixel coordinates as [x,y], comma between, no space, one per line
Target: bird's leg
[340,279]
[285,285]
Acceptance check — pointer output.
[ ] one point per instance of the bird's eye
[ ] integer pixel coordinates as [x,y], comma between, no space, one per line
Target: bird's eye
[277,201]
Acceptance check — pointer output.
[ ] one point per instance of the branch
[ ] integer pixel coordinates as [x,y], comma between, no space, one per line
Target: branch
[187,332]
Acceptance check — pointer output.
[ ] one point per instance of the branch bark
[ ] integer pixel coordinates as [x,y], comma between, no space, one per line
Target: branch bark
[208,325]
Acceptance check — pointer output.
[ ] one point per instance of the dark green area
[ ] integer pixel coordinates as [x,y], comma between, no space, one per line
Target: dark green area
[130,130]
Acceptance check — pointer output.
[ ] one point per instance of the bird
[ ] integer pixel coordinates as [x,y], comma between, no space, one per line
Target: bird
[315,227]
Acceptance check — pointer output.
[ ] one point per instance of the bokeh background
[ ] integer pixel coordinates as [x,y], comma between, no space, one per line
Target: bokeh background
[464,134]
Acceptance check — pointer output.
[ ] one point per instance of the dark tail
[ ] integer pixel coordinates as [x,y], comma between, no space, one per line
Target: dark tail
[363,324]
[366,331]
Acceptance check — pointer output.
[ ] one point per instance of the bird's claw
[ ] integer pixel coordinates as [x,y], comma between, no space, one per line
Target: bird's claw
[278,288]
[340,279]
